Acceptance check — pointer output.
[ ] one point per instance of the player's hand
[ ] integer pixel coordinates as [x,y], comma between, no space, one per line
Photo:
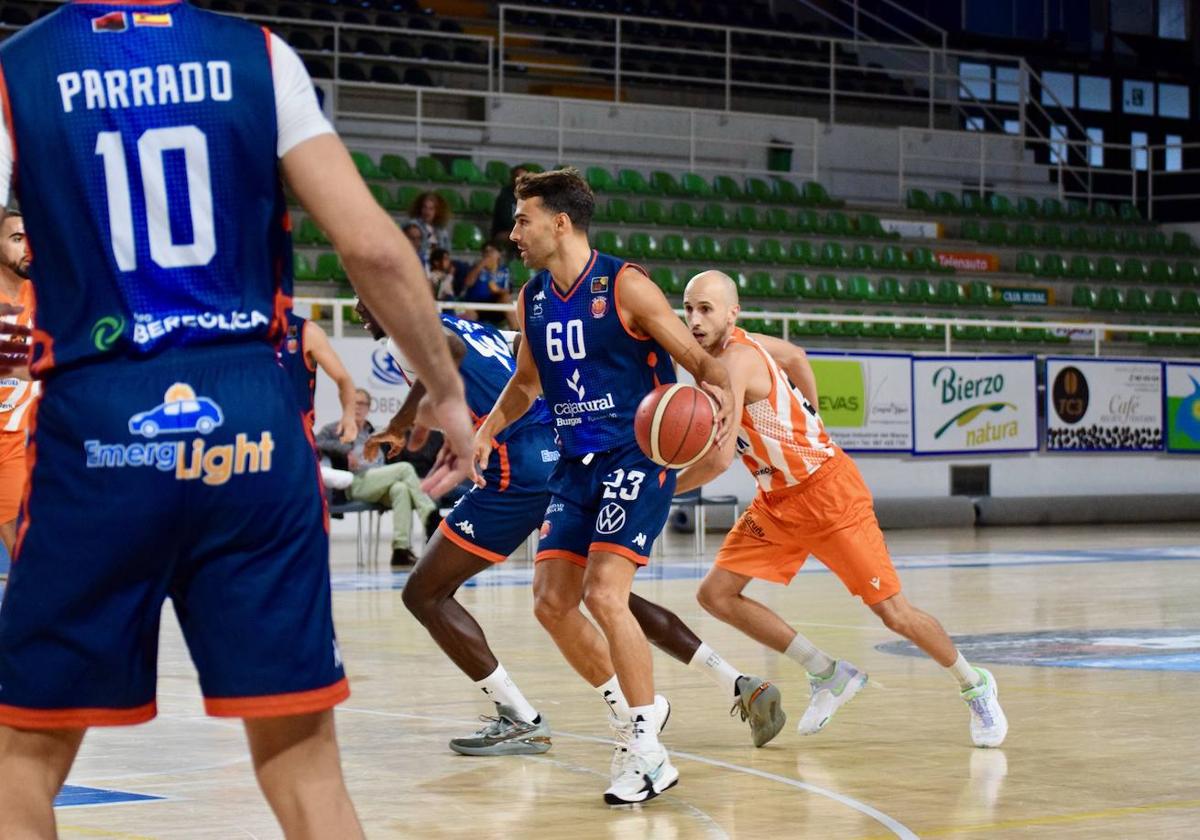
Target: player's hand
[723,397]
[14,341]
[418,437]
[374,442]
[456,461]
[347,430]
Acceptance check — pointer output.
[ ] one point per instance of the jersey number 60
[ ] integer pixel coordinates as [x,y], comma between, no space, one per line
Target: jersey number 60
[574,342]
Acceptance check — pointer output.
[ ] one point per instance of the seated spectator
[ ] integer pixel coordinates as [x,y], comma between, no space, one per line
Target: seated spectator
[416,238]
[488,282]
[364,480]
[443,275]
[503,210]
[431,214]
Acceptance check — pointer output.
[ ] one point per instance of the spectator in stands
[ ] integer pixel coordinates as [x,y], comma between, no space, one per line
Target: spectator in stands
[503,210]
[416,238]
[488,281]
[431,214]
[365,480]
[444,275]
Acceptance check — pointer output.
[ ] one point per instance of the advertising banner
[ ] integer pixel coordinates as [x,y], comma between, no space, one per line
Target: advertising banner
[866,400]
[1183,407]
[371,368]
[1103,405]
[968,261]
[1025,296]
[974,404]
[912,229]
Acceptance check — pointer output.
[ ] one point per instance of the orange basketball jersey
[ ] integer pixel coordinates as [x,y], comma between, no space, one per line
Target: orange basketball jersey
[782,440]
[17,395]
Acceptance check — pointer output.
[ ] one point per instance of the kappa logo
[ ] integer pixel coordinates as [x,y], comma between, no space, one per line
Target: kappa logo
[540,295]
[337,655]
[640,540]
[611,519]
[575,385]
[467,528]
[875,581]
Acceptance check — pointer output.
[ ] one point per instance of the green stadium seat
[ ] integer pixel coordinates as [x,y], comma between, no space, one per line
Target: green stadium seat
[1028,208]
[827,287]
[868,224]
[968,332]
[453,200]
[1051,236]
[432,169]
[833,254]
[858,288]
[772,327]
[664,278]
[481,202]
[785,191]
[1189,302]
[888,290]
[727,188]
[1108,300]
[406,197]
[1023,236]
[836,224]
[1131,241]
[917,332]
[737,249]
[1181,244]
[923,259]
[1163,302]
[1083,297]
[715,216]
[863,256]
[1106,240]
[881,330]
[620,210]
[776,219]
[1102,211]
[777,288]
[465,171]
[999,206]
[1156,242]
[949,292]
[610,242]
[1161,272]
[498,172]
[367,167]
[1186,273]
[1077,210]
[972,229]
[1027,263]
[396,167]
[747,218]
[972,203]
[635,182]
[847,329]
[769,251]
[806,221]
[813,192]
[801,253]
[979,293]
[945,202]
[1032,335]
[1001,334]
[759,190]
[809,328]
[684,215]
[329,267]
[918,200]
[665,184]
[918,290]
[1052,208]
[518,273]
[652,212]
[996,234]
[706,249]
[382,195]
[1135,300]
[1134,270]
[695,186]
[309,234]
[1107,268]
[761,284]
[794,285]
[601,180]
[466,237]
[1052,266]
[1079,238]
[893,258]
[301,268]
[1129,213]
[641,246]
[674,247]
[600,212]
[1080,268]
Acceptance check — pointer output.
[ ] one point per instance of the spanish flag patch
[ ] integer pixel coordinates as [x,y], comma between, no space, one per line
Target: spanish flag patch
[152,19]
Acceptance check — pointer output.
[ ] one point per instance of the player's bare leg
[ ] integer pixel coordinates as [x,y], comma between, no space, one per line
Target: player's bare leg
[557,593]
[919,627]
[33,766]
[299,770]
[8,535]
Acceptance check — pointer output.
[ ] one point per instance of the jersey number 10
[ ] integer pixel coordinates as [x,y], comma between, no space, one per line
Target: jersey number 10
[151,146]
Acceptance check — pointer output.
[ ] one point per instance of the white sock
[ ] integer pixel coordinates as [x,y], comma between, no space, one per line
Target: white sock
[503,691]
[814,660]
[962,671]
[615,698]
[645,727]
[708,662]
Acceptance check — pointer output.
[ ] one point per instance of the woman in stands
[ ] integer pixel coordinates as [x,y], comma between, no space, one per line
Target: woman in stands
[431,214]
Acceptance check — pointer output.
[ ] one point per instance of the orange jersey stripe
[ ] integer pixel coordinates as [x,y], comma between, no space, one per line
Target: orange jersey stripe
[782,439]
[17,395]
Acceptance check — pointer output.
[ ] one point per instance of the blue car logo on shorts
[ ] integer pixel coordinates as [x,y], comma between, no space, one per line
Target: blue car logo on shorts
[182,411]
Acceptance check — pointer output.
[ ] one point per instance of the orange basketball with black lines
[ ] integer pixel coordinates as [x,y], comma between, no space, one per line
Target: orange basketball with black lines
[675,425]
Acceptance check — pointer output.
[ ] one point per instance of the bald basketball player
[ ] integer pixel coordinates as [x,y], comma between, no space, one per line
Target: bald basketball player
[811,499]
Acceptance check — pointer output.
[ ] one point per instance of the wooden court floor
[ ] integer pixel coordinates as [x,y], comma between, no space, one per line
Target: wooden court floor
[1103,739]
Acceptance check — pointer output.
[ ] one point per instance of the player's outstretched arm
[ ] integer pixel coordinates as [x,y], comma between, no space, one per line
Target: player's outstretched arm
[407,416]
[739,362]
[317,343]
[646,308]
[385,272]
[794,361]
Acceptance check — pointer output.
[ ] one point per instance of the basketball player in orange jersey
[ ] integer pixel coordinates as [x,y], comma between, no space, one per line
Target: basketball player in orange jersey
[17,392]
[811,499]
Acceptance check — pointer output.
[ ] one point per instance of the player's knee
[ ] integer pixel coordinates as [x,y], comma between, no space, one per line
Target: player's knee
[604,602]
[711,600]
[550,609]
[897,619]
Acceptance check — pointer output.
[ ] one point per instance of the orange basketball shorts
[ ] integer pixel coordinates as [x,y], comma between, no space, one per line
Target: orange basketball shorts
[12,474]
[831,516]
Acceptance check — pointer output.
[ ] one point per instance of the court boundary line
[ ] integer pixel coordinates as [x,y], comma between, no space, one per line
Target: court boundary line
[891,824]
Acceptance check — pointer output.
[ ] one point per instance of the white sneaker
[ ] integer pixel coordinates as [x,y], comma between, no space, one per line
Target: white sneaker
[646,773]
[989,726]
[829,694]
[623,734]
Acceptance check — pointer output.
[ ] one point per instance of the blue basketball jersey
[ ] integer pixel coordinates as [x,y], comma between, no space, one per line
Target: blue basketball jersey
[486,369]
[145,146]
[294,356]
[594,372]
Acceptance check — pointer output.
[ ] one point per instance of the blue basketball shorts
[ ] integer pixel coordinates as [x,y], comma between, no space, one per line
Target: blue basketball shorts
[492,521]
[189,476]
[615,501]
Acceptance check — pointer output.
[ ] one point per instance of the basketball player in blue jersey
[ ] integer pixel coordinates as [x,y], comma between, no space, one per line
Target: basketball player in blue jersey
[149,142]
[597,336]
[304,348]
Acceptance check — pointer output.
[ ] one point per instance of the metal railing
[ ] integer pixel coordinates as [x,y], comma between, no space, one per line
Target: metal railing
[685,139]
[341,306]
[857,15]
[1165,185]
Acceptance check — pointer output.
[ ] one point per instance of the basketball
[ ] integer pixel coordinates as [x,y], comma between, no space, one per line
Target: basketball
[675,425]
